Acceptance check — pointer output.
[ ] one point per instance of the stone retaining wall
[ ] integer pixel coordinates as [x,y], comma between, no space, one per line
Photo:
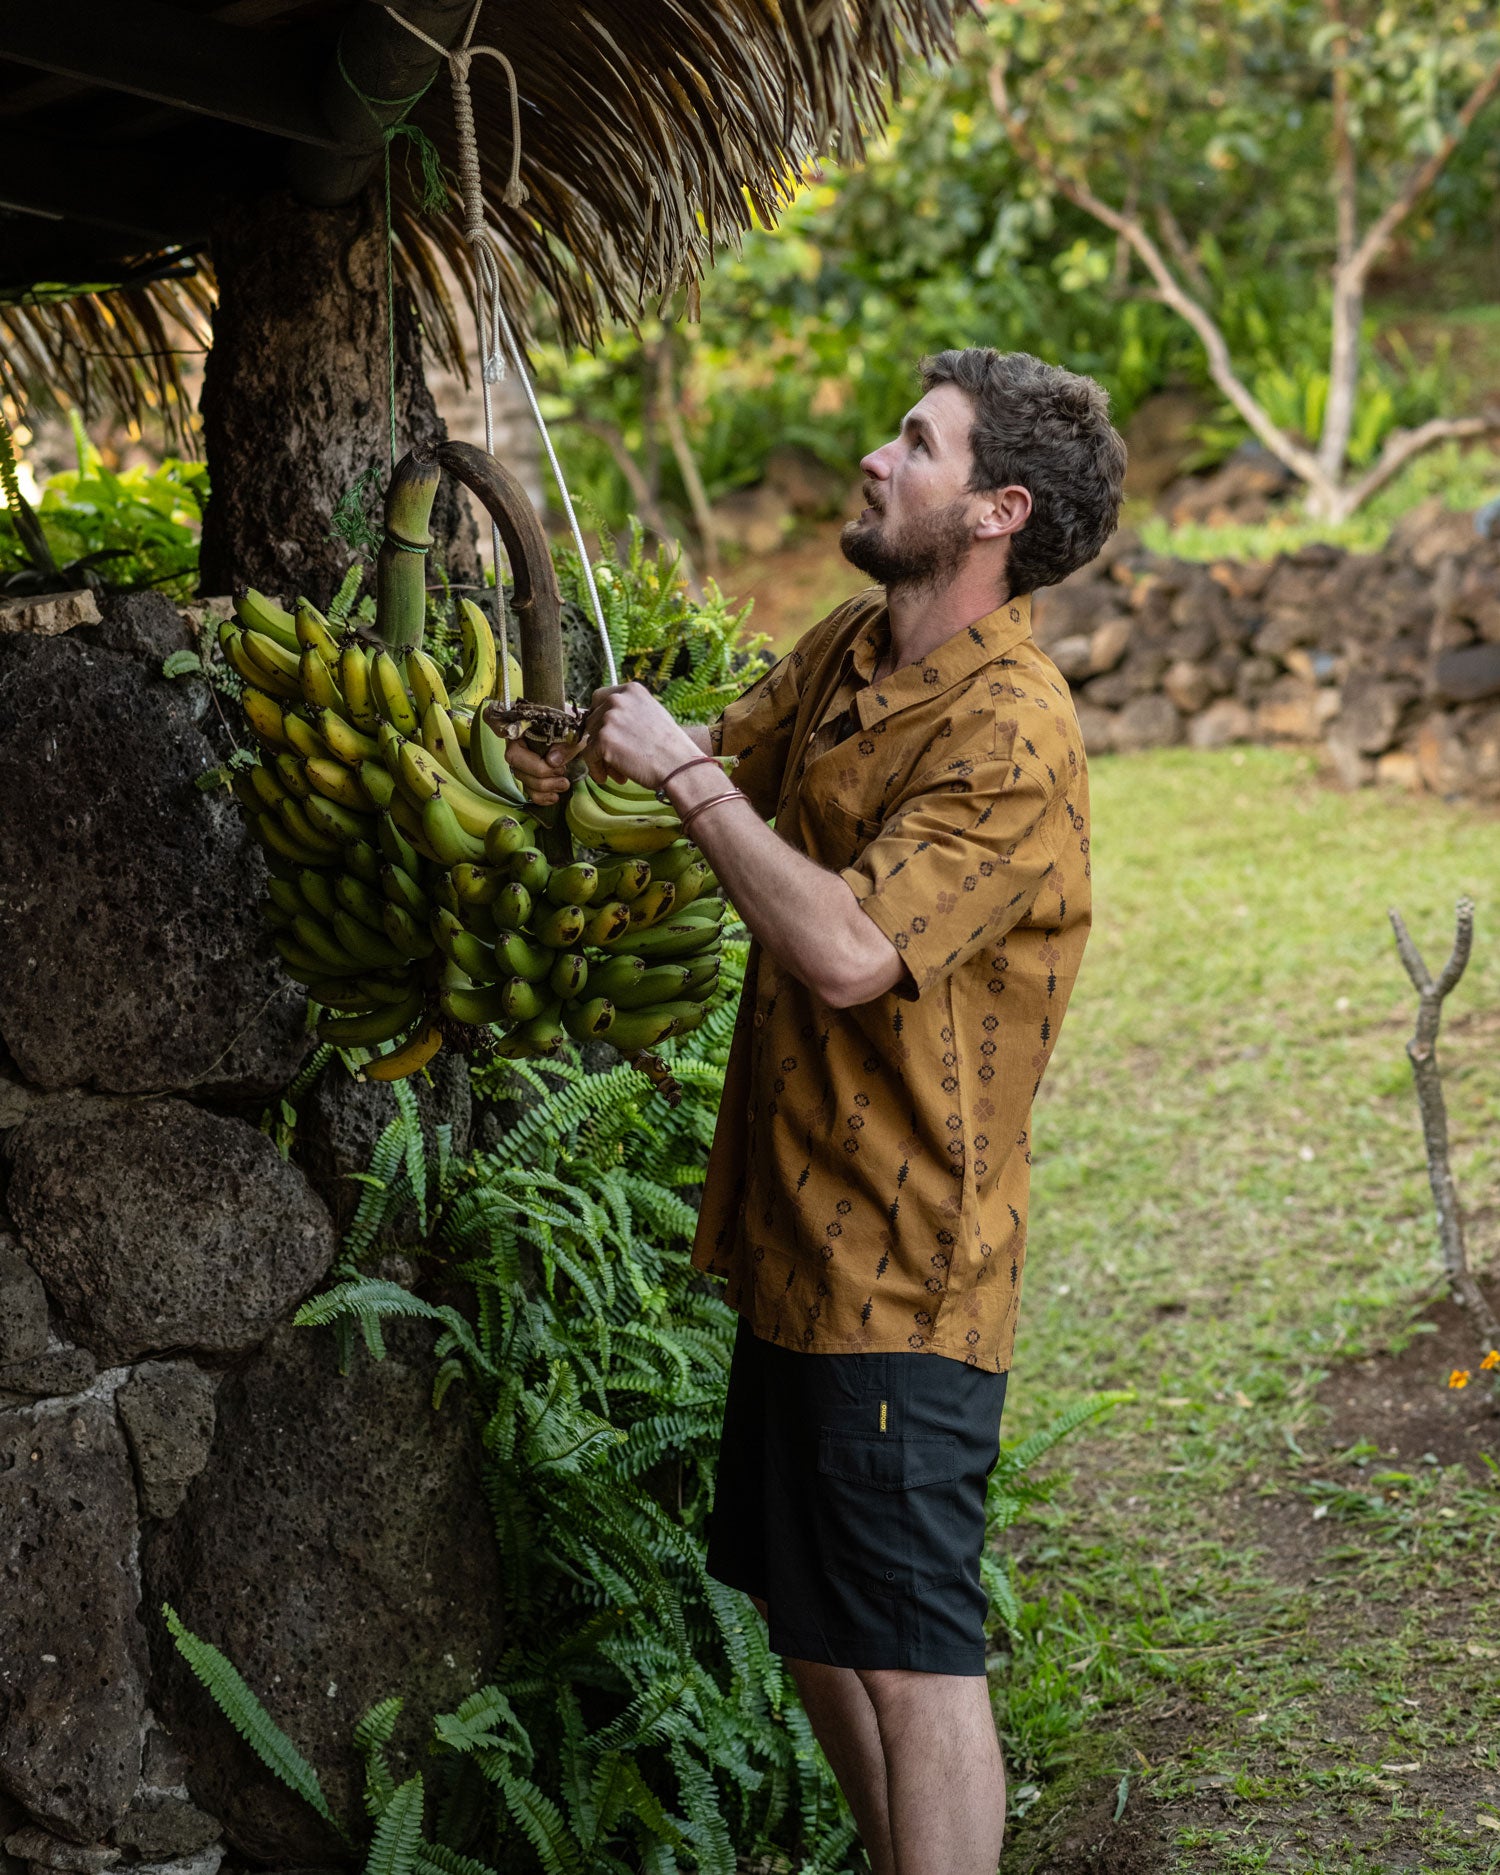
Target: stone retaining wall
[164,1435]
[1389,660]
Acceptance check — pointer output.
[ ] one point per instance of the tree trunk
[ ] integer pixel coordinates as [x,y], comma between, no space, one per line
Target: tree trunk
[296,401]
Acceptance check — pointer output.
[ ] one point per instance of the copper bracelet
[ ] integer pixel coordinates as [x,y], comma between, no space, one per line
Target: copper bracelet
[691,815]
[661,789]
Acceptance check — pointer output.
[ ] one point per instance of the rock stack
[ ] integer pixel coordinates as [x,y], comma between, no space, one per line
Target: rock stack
[164,1434]
[1390,661]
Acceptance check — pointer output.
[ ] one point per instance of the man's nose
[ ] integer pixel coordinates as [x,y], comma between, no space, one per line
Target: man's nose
[875,463]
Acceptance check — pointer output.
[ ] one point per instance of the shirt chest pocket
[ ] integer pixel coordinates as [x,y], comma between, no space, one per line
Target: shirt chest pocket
[836,834]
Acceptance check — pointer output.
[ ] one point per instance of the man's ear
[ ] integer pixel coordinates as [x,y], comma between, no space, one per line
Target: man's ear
[1004,511]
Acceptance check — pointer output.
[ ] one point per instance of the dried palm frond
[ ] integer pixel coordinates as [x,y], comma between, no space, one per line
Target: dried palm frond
[119,348]
[651,134]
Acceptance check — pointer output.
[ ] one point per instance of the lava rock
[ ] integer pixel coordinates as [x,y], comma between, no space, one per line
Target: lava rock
[1097,727]
[341,1120]
[1190,687]
[72,1654]
[44,1850]
[157,1226]
[159,1826]
[1109,642]
[140,625]
[132,956]
[1469,675]
[337,1547]
[1369,715]
[1221,724]
[58,1372]
[23,1307]
[1149,722]
[167,1410]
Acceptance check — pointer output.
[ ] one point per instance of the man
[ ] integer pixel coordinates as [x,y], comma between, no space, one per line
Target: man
[919,914]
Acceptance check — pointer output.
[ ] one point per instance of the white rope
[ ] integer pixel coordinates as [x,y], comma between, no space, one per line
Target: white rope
[493,328]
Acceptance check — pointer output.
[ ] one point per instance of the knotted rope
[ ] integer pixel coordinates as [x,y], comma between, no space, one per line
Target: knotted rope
[497,339]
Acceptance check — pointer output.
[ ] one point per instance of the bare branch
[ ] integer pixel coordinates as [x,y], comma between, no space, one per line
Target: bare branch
[1399,449]
[1182,251]
[1221,367]
[646,506]
[1421,1051]
[687,466]
[1416,969]
[1458,957]
[1378,235]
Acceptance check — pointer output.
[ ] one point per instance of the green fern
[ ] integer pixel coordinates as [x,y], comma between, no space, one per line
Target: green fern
[249,1717]
[397,1841]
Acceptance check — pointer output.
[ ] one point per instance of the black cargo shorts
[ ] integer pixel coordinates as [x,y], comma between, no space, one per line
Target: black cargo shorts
[850,1499]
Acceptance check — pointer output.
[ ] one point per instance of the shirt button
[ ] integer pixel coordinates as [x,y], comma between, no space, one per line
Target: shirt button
[760,1019]
[890,1575]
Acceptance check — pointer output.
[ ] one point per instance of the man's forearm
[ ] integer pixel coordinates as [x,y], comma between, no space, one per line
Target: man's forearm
[804,915]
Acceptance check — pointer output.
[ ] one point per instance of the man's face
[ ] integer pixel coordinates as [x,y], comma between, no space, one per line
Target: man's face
[917,528]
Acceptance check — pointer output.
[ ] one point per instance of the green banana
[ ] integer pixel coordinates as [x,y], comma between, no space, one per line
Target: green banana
[560,926]
[587,1021]
[274,916]
[274,659]
[273,834]
[335,821]
[518,956]
[634,1029]
[607,922]
[543,1034]
[477,885]
[572,885]
[401,888]
[316,889]
[475,959]
[597,825]
[623,878]
[373,949]
[314,936]
[489,762]
[692,882]
[511,906]
[569,974]
[297,957]
[397,849]
[363,861]
[392,988]
[653,904]
[406,934]
[232,642]
[377,781]
[616,976]
[444,834]
[506,836]
[530,867]
[663,983]
[283,892]
[472,1003]
[358,900]
[379,1026]
[673,860]
[677,937]
[302,830]
[521,1001]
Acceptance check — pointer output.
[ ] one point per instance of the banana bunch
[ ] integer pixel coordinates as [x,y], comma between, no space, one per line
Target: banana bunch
[412,887]
[620,816]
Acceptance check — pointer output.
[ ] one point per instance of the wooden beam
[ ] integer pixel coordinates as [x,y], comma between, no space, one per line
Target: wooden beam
[262,80]
[153,201]
[371,83]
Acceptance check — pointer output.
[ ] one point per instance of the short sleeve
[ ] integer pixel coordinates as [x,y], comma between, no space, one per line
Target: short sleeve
[958,864]
[758,725]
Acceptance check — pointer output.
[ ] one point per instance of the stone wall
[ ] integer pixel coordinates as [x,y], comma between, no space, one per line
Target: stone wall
[1389,661]
[164,1434]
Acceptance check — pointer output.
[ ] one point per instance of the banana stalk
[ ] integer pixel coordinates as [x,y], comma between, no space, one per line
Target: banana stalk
[401,569]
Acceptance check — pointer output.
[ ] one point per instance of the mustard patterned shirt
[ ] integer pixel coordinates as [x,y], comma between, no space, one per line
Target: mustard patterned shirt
[867,1188]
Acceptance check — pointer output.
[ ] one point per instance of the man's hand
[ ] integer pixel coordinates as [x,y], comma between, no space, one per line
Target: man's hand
[627,733]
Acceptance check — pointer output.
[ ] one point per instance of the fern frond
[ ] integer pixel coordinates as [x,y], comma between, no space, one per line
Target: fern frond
[249,1717]
[398,1834]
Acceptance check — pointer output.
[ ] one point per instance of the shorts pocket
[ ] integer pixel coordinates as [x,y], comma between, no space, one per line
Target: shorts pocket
[887,1515]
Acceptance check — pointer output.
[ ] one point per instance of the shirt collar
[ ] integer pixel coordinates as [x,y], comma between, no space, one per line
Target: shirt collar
[947,664]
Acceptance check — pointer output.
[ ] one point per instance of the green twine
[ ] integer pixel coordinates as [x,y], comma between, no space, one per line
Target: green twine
[432,200]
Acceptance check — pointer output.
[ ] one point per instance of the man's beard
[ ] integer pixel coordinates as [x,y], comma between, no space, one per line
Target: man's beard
[926,554]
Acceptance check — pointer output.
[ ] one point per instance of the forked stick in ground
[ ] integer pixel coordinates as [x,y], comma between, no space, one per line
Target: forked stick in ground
[1422,1052]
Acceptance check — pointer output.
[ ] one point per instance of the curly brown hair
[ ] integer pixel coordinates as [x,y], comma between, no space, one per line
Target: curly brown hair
[1047,430]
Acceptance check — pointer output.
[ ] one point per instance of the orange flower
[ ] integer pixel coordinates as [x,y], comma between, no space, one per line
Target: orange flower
[1492,1359]
[1460,1377]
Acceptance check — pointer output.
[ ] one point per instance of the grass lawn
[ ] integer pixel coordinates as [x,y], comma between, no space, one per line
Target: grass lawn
[1264,1615]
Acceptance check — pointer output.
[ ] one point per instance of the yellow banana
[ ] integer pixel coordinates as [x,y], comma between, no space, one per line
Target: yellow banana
[349,745]
[391,700]
[289,772]
[425,682]
[445,836]
[423,778]
[314,633]
[274,658]
[488,760]
[264,715]
[320,689]
[481,661]
[379,1026]
[354,681]
[232,642]
[440,739]
[258,613]
[336,783]
[302,736]
[410,1058]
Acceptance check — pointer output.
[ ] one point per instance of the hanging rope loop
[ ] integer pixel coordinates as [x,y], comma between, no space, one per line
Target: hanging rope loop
[497,340]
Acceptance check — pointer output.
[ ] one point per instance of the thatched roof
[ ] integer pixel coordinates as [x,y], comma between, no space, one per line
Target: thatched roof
[651,131]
